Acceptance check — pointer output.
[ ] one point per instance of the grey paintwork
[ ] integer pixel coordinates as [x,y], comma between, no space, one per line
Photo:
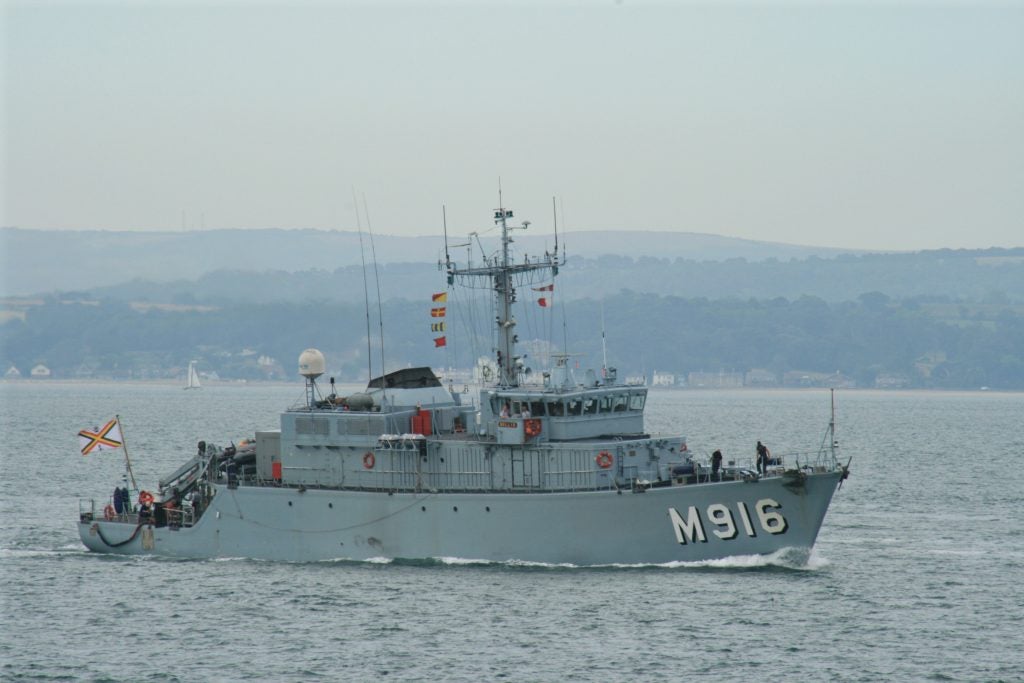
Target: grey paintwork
[584,528]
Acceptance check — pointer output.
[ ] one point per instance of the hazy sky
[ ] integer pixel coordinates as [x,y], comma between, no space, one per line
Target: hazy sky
[880,125]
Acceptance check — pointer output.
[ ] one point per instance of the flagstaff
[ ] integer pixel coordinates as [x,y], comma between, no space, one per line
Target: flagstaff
[127,460]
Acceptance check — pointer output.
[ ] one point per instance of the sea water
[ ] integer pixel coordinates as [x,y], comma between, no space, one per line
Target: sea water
[918,573]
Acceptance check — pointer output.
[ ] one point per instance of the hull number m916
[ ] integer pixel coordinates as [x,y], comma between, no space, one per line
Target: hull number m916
[690,529]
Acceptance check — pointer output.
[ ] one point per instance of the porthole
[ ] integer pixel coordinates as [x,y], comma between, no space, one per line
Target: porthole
[330,505]
[423,509]
[289,503]
[488,508]
[455,509]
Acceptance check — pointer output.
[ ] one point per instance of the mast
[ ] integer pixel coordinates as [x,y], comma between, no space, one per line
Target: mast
[503,275]
[124,446]
[604,346]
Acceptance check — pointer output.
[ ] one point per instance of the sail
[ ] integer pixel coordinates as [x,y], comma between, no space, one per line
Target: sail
[193,377]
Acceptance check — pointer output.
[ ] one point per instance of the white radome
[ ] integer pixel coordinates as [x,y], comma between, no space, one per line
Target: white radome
[311,363]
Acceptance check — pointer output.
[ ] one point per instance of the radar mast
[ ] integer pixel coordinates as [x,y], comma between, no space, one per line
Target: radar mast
[501,274]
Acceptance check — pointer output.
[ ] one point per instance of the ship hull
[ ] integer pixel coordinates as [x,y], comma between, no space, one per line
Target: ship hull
[656,526]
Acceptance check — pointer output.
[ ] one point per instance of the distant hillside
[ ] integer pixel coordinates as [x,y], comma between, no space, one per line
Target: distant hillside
[870,341]
[993,275]
[41,261]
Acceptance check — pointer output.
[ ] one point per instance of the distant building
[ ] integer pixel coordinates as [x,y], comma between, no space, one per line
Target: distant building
[12,373]
[805,378]
[715,380]
[759,377]
[40,372]
[891,381]
[663,379]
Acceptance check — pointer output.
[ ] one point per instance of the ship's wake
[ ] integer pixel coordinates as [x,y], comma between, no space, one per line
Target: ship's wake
[798,559]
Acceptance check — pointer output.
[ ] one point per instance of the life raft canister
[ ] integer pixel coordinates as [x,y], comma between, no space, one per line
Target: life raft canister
[604,460]
[369,460]
[145,498]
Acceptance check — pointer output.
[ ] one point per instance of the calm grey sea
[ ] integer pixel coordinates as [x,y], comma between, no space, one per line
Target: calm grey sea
[918,573]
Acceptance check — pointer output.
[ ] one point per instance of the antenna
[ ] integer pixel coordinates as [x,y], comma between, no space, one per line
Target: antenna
[554,211]
[604,348]
[444,219]
[366,291]
[380,310]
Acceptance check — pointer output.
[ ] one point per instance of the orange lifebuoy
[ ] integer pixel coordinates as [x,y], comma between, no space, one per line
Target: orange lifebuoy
[145,497]
[369,460]
[604,460]
[109,513]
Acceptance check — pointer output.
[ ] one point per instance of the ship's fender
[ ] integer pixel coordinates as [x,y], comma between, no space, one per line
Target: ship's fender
[99,532]
[604,460]
[369,460]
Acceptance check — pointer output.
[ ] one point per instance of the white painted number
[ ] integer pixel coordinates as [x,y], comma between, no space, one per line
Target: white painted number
[691,529]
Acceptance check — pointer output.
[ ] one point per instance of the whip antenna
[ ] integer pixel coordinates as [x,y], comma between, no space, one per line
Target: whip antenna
[366,290]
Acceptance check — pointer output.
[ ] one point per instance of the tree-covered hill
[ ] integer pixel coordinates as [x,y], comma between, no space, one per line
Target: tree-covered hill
[919,343]
[993,275]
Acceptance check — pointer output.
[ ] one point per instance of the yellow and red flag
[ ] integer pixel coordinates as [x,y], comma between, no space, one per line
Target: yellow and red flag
[437,312]
[106,438]
[440,341]
[440,298]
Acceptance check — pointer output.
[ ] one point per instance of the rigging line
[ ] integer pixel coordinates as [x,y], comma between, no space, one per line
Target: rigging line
[565,330]
[449,351]
[380,309]
[549,319]
[473,307]
[366,291]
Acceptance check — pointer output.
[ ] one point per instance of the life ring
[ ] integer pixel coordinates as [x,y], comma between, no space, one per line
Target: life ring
[369,460]
[604,460]
[145,498]
[109,513]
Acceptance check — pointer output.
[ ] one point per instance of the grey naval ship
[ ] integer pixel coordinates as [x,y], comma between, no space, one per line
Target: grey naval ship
[558,471]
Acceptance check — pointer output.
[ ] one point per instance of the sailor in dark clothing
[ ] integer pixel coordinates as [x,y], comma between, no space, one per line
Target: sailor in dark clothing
[762,458]
[716,465]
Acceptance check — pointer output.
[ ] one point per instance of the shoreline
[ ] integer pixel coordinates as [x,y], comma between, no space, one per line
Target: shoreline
[360,384]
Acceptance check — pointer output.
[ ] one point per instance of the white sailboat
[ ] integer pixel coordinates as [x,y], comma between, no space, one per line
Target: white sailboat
[193,376]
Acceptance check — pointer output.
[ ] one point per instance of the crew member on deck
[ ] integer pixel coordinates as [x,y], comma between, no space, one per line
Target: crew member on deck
[716,465]
[763,457]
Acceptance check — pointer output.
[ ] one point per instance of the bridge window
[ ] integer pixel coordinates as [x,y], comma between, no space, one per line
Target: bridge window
[556,408]
[606,403]
[537,408]
[621,401]
[574,407]
[636,401]
[590,406]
